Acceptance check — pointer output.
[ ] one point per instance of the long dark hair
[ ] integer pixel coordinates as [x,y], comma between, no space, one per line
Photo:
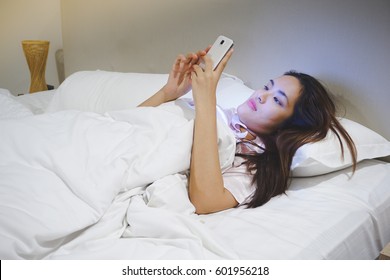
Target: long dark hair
[314,115]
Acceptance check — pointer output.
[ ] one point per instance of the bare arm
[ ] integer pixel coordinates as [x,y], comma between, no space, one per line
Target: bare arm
[206,187]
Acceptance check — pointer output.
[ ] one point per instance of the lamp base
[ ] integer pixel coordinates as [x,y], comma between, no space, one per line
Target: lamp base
[36,52]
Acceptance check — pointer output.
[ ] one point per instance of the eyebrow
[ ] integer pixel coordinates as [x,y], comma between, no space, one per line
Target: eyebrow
[279,91]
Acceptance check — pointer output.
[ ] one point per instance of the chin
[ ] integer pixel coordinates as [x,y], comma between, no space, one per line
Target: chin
[241,110]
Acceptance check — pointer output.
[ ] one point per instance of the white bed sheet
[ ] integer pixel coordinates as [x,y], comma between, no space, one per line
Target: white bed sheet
[333,216]
[326,217]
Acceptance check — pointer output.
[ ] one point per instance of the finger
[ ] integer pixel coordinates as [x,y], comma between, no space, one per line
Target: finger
[208,63]
[201,53]
[181,57]
[176,65]
[191,59]
[194,59]
[193,76]
[221,66]
[178,60]
[198,70]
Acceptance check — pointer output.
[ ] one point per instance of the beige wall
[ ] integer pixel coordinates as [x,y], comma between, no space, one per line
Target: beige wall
[27,19]
[344,43]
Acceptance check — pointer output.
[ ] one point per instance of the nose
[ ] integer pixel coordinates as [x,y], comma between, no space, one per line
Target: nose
[262,97]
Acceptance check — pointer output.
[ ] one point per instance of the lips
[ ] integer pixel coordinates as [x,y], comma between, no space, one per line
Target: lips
[252,104]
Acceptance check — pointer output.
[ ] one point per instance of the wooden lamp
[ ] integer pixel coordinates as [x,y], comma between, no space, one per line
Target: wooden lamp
[36,52]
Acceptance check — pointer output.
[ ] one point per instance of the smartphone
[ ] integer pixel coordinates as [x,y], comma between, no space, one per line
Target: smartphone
[218,50]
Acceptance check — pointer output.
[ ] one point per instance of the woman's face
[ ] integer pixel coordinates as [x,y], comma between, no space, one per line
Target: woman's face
[269,107]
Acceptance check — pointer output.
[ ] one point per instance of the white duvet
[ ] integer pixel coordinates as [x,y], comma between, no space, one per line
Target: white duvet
[79,185]
[72,180]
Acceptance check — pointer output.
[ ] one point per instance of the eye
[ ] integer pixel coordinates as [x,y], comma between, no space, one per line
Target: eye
[277,101]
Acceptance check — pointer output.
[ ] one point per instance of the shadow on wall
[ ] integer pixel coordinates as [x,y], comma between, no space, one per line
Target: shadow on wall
[60,65]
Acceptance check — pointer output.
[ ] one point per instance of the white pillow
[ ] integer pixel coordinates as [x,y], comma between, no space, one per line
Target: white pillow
[231,92]
[102,91]
[325,156]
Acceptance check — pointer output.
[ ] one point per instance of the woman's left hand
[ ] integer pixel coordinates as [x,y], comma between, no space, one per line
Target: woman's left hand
[205,81]
[206,187]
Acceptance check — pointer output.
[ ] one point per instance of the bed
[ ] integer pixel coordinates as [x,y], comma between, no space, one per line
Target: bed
[86,175]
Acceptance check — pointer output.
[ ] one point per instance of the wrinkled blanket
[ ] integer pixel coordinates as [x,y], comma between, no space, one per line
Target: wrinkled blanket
[71,178]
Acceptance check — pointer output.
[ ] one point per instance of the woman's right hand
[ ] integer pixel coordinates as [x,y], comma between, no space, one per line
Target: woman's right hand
[179,80]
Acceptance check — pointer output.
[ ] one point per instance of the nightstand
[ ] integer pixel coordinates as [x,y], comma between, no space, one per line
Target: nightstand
[385,253]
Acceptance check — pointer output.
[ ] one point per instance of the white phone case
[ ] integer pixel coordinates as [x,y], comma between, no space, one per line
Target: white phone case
[218,50]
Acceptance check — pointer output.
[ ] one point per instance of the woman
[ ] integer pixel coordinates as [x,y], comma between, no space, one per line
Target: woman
[290,111]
